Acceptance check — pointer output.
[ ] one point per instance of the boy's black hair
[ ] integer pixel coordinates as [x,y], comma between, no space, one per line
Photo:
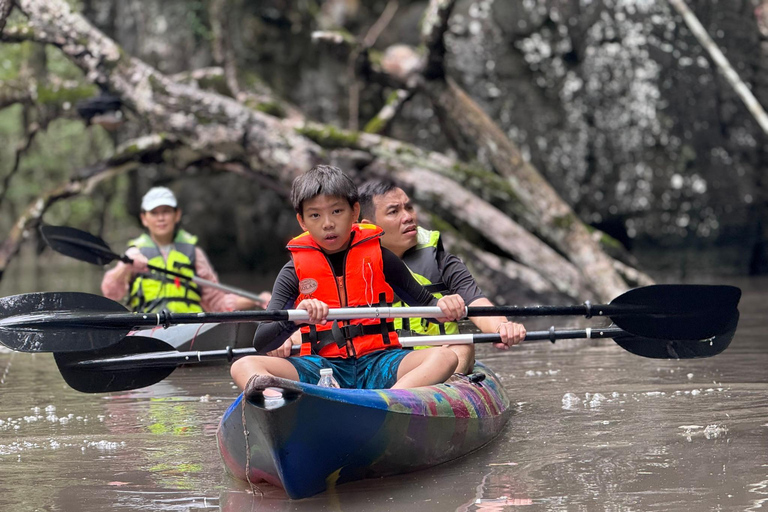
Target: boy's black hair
[322,180]
[369,190]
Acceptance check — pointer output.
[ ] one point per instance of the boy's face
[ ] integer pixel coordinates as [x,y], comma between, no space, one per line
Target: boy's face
[329,221]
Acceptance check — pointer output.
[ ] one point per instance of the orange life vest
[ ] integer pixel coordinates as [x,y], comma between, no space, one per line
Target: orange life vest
[362,285]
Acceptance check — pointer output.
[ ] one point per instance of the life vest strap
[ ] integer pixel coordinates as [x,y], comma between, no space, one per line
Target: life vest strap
[161,303]
[438,287]
[164,279]
[339,334]
[384,326]
[180,265]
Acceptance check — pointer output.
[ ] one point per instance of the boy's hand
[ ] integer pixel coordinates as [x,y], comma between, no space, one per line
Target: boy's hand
[511,333]
[452,307]
[317,310]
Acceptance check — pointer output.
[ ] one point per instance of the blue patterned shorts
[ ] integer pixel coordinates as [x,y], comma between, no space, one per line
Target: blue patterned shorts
[377,370]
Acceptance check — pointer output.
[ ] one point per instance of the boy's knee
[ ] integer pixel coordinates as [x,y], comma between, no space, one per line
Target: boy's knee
[239,367]
[234,370]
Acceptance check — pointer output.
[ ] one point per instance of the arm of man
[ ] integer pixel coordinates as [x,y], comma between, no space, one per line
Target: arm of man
[458,279]
[403,283]
[271,335]
[412,293]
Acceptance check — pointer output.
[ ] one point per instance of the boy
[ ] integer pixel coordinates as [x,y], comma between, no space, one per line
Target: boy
[338,263]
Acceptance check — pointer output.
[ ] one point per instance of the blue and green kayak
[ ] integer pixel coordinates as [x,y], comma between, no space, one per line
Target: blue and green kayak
[313,438]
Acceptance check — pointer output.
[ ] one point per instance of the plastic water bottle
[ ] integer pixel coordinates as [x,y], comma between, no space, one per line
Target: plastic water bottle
[326,378]
[273,398]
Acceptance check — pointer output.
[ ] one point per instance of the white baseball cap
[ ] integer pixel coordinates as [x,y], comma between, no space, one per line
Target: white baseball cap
[158,196]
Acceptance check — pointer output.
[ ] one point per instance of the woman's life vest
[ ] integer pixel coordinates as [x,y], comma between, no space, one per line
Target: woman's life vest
[362,285]
[422,262]
[152,292]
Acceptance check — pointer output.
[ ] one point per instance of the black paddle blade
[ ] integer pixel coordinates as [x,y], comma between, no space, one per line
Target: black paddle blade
[83,371]
[679,312]
[679,349]
[78,244]
[28,322]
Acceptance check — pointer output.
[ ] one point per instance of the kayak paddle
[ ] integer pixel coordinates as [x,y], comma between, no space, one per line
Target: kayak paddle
[84,246]
[76,322]
[138,361]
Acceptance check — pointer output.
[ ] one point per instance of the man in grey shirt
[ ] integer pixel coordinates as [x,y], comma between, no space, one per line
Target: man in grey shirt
[389,207]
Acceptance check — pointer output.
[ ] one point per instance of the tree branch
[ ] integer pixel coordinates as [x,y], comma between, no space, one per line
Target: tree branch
[433,27]
[477,138]
[5,10]
[497,276]
[352,61]
[127,158]
[15,92]
[259,97]
[438,193]
[730,74]
[199,118]
[222,49]
[391,108]
[30,132]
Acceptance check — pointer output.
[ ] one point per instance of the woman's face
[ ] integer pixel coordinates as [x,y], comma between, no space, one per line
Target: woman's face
[161,222]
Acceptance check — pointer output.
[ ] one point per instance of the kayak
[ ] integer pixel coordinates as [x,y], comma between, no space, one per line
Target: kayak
[210,336]
[313,438]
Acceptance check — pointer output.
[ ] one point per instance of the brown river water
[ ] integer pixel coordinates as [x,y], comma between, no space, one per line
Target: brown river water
[594,428]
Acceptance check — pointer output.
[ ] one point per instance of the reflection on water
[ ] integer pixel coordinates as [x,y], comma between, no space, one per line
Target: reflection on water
[594,428]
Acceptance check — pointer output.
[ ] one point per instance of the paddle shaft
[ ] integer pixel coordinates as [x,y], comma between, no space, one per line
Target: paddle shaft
[171,358]
[103,251]
[166,318]
[550,335]
[205,282]
[200,281]
[672,312]
[82,322]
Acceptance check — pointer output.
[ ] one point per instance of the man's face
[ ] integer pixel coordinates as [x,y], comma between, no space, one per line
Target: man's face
[161,221]
[329,221]
[397,217]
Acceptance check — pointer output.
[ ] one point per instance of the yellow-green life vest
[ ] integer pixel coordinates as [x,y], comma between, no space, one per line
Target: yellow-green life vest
[422,262]
[154,291]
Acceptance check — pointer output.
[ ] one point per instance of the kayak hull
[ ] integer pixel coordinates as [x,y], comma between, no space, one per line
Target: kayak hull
[314,438]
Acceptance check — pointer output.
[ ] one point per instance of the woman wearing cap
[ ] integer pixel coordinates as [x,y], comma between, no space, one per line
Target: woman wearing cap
[168,246]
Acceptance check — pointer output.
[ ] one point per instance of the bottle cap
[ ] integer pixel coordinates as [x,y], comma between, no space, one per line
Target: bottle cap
[326,371]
